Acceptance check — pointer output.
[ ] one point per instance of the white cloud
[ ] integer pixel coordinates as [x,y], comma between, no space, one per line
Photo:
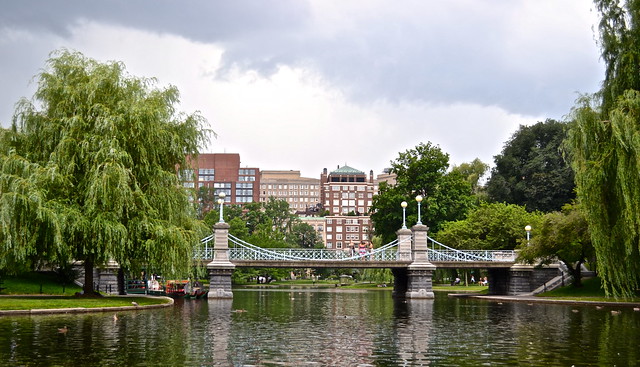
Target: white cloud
[347,84]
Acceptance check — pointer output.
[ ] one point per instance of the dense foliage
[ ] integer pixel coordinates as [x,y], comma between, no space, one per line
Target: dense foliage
[421,171]
[473,173]
[604,143]
[496,226]
[88,171]
[268,225]
[531,171]
[562,235]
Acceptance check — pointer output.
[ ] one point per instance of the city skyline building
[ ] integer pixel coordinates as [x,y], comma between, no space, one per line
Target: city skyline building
[343,196]
[347,194]
[301,193]
[222,173]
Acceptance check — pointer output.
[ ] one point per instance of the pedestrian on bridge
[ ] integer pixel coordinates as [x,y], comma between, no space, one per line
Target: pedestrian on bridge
[362,249]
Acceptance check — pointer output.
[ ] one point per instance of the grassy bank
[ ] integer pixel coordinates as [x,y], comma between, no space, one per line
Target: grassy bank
[42,290]
[591,290]
[37,283]
[49,302]
[472,288]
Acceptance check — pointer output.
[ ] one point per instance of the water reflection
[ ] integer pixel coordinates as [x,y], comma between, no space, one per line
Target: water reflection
[300,327]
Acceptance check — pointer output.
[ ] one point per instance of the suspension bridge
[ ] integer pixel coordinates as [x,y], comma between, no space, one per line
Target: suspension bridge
[244,254]
[412,258]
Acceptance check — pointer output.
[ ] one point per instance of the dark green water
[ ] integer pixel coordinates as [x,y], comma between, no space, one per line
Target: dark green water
[328,328]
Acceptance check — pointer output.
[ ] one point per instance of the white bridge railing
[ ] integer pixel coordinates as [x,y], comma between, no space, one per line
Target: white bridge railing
[443,253]
[242,250]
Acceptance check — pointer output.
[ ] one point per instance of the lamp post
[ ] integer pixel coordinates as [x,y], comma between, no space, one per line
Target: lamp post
[419,200]
[528,229]
[404,210]
[221,196]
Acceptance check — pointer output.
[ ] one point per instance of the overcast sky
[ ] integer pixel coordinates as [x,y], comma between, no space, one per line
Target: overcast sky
[304,85]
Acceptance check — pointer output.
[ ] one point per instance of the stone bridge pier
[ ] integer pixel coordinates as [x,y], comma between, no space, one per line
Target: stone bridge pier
[220,268]
[520,278]
[416,280]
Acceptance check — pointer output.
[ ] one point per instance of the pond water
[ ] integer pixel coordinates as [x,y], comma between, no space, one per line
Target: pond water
[327,327]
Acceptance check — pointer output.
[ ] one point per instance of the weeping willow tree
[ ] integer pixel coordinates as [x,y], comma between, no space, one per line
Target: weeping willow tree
[604,142]
[88,172]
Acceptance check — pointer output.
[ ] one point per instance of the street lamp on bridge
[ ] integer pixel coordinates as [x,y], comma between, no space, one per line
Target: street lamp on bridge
[419,200]
[221,196]
[404,210]
[528,229]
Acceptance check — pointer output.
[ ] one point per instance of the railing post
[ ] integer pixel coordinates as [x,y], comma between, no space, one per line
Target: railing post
[220,268]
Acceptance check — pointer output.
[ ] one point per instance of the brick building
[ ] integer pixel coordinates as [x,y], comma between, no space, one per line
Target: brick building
[347,194]
[222,172]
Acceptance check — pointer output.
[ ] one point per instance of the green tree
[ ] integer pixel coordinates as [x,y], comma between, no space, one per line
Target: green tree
[421,171]
[564,236]
[531,170]
[303,235]
[88,171]
[472,172]
[278,212]
[604,148]
[207,200]
[494,226]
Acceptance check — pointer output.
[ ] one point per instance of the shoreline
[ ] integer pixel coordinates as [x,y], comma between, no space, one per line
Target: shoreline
[533,299]
[74,310]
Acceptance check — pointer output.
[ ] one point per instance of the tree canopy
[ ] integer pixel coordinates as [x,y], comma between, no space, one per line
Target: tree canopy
[531,171]
[269,224]
[562,235]
[421,171]
[473,172]
[88,171]
[604,142]
[491,226]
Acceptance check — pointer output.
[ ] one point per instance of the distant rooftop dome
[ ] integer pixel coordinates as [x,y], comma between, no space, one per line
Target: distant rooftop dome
[346,170]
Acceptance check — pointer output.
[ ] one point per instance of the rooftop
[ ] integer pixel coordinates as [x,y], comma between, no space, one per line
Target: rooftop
[346,170]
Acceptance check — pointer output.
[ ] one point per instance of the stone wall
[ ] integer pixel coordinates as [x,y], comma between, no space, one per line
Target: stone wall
[105,279]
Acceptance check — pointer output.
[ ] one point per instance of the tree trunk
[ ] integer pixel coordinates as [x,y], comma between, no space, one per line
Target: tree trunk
[88,277]
[121,290]
[575,272]
[577,275]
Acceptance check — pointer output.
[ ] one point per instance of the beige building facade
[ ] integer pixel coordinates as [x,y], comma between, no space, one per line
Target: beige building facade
[301,193]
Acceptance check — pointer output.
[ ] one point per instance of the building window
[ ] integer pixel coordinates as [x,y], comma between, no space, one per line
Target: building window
[186,175]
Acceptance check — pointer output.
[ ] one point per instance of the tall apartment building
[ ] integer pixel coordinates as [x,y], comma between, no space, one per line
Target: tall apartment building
[301,193]
[222,172]
[347,194]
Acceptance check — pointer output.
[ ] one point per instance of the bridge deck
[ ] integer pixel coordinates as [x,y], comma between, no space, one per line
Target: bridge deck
[364,264]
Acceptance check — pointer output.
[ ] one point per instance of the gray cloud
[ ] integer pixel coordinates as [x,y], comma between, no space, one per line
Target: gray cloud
[426,52]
